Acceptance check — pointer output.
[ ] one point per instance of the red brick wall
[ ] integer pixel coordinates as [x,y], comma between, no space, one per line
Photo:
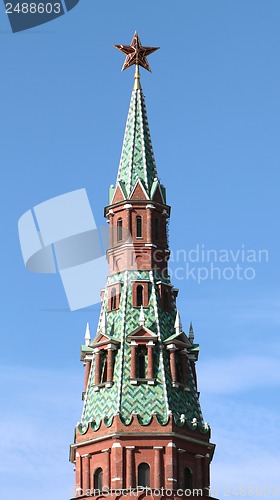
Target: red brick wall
[117,463]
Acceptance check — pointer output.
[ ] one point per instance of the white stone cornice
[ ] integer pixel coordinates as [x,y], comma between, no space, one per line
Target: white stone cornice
[116,445]
[172,347]
[88,357]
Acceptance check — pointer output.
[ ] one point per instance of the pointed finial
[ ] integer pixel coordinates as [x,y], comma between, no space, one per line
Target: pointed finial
[87,335]
[141,317]
[103,323]
[191,334]
[178,324]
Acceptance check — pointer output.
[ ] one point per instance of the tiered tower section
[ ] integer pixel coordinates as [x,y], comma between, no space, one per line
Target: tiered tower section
[142,432]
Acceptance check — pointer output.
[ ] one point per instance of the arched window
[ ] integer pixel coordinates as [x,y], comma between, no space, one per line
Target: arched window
[141,361]
[138,226]
[156,229]
[144,475]
[98,479]
[113,299]
[119,230]
[139,295]
[188,484]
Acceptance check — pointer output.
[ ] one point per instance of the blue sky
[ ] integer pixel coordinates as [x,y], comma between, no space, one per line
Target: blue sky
[213,104]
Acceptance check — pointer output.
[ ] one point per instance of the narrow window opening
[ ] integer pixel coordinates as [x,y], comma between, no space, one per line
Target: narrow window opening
[139,295]
[141,358]
[103,373]
[188,479]
[119,230]
[98,479]
[113,299]
[144,475]
[138,226]
[178,360]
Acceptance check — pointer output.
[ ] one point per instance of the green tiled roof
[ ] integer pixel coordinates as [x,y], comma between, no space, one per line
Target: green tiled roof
[137,157]
[86,348]
[123,397]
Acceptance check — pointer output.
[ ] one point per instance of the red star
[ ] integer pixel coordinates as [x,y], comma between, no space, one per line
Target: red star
[136,53]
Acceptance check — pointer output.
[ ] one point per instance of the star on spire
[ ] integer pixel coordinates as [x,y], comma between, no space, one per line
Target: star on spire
[136,53]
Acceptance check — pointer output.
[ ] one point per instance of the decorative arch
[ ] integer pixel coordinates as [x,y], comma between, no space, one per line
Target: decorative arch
[119,229]
[139,295]
[142,342]
[114,295]
[98,479]
[144,475]
[188,479]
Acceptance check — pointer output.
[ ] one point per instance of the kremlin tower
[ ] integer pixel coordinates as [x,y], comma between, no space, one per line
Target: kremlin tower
[141,432]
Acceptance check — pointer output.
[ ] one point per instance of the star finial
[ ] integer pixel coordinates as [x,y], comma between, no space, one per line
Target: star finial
[136,53]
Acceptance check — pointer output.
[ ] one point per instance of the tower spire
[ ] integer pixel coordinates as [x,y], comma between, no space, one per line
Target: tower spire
[141,423]
[191,334]
[137,158]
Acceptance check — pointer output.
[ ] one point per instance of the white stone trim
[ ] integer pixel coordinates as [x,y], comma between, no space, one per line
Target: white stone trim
[116,445]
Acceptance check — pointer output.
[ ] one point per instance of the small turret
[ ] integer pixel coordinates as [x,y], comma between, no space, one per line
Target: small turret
[178,324]
[87,335]
[191,334]
[141,317]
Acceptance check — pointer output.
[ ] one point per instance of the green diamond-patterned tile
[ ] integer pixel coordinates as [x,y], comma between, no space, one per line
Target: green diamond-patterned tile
[137,157]
[143,399]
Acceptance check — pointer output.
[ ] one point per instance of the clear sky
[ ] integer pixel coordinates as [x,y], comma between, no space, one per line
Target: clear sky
[213,105]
